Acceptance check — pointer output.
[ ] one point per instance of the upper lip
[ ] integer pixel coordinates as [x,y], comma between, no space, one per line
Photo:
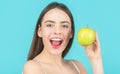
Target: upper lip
[56,39]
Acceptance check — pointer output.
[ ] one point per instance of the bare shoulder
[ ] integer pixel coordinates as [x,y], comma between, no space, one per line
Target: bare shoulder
[32,67]
[81,67]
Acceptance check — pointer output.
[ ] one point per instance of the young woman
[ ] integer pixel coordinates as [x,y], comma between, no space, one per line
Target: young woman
[52,40]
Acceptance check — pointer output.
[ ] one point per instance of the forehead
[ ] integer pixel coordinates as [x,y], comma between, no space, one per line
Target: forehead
[56,15]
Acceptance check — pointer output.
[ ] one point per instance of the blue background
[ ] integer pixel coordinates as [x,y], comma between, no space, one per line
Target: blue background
[18,19]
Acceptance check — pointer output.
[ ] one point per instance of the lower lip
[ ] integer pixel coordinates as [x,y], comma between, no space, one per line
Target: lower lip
[55,46]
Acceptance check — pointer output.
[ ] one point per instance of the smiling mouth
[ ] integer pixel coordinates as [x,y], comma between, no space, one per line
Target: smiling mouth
[56,42]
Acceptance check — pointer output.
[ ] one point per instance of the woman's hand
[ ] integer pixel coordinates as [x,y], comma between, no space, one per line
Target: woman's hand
[94,54]
[93,51]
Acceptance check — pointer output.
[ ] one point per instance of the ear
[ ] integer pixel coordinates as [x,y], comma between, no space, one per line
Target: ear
[71,35]
[39,32]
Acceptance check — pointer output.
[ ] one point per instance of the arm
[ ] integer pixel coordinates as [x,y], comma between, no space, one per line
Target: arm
[97,66]
[94,54]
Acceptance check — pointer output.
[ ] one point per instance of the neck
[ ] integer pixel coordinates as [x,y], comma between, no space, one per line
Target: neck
[51,58]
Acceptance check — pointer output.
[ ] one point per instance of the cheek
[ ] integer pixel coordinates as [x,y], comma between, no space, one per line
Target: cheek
[68,34]
[45,32]
[45,36]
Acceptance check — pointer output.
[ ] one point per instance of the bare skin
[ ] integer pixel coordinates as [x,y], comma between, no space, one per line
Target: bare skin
[37,66]
[56,25]
[94,54]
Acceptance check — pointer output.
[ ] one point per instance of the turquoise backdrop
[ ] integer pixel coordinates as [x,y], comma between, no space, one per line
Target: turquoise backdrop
[18,19]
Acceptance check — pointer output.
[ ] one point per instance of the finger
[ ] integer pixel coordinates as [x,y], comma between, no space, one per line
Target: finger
[97,43]
[89,51]
[85,47]
[96,37]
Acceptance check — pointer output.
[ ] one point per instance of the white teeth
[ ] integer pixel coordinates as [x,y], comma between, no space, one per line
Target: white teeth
[56,39]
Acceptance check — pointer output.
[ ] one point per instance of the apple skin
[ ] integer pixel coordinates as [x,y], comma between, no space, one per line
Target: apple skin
[86,36]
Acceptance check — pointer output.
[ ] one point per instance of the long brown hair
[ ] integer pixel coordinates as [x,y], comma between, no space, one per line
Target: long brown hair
[37,44]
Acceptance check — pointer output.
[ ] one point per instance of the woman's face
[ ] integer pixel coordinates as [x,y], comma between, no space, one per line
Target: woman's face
[55,31]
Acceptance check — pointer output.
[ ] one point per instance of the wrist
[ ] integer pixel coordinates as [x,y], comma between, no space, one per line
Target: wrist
[96,59]
[94,56]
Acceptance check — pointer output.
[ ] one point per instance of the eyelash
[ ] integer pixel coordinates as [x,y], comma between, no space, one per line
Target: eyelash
[49,25]
[65,26]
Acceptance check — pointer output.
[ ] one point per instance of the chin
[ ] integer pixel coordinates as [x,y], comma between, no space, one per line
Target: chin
[56,52]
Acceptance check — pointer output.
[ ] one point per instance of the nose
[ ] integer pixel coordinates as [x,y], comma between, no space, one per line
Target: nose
[57,30]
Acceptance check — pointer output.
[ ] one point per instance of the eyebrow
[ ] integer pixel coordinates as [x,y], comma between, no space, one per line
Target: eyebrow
[54,21]
[65,22]
[49,21]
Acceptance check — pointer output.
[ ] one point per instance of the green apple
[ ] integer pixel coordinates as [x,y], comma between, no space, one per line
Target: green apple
[86,36]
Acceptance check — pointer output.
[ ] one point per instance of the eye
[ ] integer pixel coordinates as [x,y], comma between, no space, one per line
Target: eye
[65,26]
[49,25]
